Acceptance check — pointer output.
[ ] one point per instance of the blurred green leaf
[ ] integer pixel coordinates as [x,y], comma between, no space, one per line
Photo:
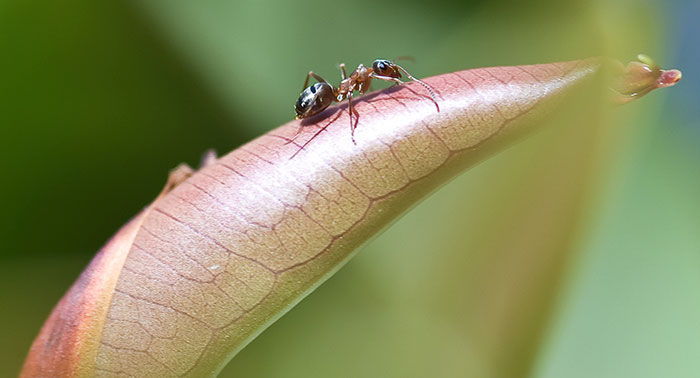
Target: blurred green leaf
[80,79]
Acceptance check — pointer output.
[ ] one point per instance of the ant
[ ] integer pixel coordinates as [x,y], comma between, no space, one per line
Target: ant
[318,97]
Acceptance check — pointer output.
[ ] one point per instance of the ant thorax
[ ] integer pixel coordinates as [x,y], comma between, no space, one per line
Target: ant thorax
[357,81]
[362,76]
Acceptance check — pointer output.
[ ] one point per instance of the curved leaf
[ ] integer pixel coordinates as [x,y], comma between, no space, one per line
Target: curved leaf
[206,267]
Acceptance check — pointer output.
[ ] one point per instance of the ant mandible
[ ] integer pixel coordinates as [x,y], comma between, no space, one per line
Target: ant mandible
[318,97]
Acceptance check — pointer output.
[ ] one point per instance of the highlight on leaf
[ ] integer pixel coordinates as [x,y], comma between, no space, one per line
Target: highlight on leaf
[225,251]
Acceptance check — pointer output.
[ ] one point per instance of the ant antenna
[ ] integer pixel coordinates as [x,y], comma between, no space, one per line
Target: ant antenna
[405,57]
[426,86]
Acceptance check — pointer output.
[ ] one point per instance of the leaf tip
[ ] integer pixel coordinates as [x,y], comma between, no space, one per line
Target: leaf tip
[641,77]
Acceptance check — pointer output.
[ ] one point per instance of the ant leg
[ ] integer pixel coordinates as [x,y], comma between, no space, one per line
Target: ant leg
[387,78]
[357,118]
[343,75]
[309,75]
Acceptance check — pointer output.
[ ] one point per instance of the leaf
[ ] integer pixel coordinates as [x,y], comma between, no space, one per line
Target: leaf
[211,263]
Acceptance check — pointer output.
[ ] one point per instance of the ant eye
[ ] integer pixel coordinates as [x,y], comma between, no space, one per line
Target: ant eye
[380,66]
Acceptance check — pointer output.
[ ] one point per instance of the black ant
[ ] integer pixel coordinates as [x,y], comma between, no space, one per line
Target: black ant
[318,97]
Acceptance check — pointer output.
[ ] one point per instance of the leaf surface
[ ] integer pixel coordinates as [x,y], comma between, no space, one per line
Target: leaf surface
[211,263]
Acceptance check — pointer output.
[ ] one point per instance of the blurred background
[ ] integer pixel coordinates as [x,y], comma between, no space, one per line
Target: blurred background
[573,254]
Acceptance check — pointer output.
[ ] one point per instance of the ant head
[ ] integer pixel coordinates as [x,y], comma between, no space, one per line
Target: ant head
[385,67]
[314,100]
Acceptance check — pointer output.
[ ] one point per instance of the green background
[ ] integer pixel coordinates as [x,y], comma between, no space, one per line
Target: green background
[99,100]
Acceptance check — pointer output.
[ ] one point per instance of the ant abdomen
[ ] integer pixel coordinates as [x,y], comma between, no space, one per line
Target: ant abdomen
[314,100]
